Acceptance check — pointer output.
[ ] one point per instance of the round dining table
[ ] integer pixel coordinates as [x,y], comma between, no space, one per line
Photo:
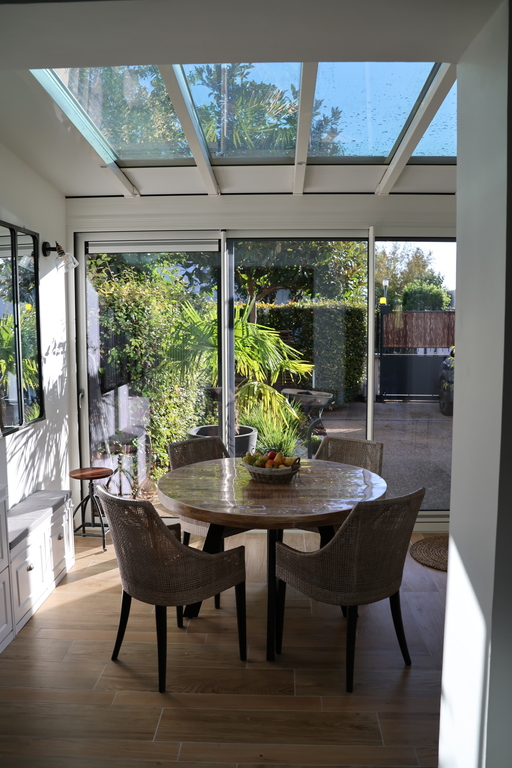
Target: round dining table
[221,492]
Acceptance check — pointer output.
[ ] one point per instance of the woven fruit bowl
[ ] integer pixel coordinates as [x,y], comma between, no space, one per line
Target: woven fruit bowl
[272,476]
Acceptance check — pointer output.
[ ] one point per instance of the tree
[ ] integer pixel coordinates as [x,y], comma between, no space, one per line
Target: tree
[131,107]
[308,269]
[403,264]
[420,295]
[247,117]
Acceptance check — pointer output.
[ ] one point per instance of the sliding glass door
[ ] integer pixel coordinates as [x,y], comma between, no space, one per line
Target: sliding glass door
[152,355]
[264,341]
[414,363]
[305,301]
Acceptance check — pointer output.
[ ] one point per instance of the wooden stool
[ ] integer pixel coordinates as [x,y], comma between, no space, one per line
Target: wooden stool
[91,474]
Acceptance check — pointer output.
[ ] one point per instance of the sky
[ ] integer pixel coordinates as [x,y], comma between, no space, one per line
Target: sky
[444,260]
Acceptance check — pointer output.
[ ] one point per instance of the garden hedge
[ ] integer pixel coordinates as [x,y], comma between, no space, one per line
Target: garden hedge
[329,333]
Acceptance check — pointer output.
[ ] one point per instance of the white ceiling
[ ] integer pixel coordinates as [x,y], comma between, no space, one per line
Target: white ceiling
[115,32]
[110,32]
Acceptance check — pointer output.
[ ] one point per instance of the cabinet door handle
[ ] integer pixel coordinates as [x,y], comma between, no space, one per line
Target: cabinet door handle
[30,567]
[60,536]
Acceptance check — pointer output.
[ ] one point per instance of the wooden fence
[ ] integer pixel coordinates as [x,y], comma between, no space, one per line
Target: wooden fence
[419,329]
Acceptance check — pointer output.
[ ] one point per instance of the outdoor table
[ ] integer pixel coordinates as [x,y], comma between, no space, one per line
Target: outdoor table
[221,492]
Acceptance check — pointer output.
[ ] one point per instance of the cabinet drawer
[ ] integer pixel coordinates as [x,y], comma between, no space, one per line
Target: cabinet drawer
[29,575]
[5,605]
[58,546]
[4,540]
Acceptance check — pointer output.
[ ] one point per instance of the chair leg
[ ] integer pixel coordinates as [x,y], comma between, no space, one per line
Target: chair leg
[161,641]
[186,538]
[280,603]
[396,613]
[123,621]
[241,619]
[179,616]
[216,599]
[344,611]
[351,645]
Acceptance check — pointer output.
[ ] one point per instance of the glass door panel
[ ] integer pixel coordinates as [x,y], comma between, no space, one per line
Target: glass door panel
[300,339]
[151,355]
[414,364]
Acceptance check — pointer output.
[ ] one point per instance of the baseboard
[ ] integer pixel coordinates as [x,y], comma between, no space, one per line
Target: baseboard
[432,522]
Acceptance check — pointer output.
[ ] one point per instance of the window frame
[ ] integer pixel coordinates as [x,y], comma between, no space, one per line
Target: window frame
[15,232]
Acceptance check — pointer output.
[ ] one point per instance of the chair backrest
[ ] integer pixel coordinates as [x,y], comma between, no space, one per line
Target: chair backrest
[349,450]
[364,560]
[194,450]
[151,559]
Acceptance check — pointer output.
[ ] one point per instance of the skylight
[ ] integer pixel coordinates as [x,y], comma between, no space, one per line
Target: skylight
[131,108]
[361,108]
[206,115]
[440,138]
[246,111]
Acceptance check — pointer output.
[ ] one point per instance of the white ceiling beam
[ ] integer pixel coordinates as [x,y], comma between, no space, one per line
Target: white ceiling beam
[441,84]
[121,181]
[306,101]
[177,88]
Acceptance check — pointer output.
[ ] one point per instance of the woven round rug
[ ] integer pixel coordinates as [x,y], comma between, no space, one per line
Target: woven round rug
[431,551]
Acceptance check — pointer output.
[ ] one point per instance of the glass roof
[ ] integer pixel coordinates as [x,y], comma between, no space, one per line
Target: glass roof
[247,110]
[440,138]
[361,108]
[251,113]
[131,108]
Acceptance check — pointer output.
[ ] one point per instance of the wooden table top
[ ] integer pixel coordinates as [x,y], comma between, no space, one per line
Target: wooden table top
[222,491]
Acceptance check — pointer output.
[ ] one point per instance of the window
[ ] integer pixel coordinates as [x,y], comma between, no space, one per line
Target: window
[21,398]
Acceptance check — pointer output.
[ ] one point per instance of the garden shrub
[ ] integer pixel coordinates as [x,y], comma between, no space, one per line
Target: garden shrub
[330,333]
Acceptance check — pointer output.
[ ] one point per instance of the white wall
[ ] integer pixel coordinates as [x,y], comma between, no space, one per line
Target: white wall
[476,499]
[35,457]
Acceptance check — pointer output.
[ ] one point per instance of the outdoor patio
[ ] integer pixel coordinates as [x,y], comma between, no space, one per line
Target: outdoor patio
[417,445]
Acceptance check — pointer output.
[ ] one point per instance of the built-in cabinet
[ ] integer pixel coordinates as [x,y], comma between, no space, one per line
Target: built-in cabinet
[6,621]
[37,550]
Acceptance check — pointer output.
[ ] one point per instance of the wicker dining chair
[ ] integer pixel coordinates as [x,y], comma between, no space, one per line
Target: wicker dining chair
[363,563]
[156,568]
[349,450]
[192,451]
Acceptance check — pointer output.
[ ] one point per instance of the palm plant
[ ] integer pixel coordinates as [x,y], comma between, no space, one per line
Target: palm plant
[260,357]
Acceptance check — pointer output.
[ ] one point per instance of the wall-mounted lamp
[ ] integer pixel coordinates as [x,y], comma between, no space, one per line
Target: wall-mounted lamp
[65,261]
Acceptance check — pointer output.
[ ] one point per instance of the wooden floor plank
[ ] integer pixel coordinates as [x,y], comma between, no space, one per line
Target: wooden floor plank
[357,728]
[305,755]
[65,704]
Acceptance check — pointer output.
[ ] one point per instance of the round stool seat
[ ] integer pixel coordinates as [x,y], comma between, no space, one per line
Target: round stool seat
[91,473]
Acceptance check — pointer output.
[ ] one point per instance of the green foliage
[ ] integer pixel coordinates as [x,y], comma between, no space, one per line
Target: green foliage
[131,107]
[316,442]
[332,334]
[308,269]
[260,356]
[419,295]
[139,312]
[30,369]
[246,116]
[403,264]
[272,432]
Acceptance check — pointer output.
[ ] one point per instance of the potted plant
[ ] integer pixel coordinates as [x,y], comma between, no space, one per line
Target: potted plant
[260,357]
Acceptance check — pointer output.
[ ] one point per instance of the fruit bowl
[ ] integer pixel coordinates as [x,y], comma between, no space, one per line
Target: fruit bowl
[272,476]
